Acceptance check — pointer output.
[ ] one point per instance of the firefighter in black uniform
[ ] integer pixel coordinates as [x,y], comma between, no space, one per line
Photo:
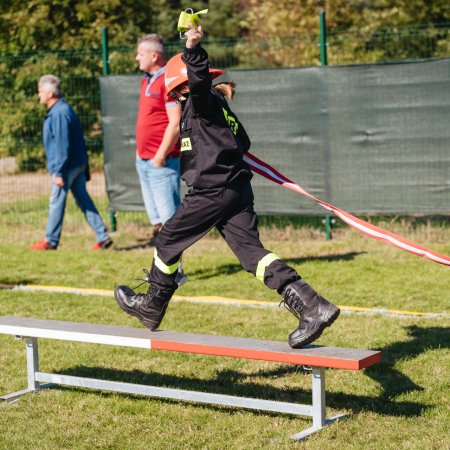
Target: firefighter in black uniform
[213,142]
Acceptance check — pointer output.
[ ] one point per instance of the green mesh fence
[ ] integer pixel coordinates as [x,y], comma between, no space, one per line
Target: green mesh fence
[21,116]
[366,138]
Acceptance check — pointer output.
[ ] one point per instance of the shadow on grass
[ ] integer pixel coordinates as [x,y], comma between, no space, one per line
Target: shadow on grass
[11,284]
[141,244]
[421,340]
[326,258]
[216,271]
[232,382]
[230,269]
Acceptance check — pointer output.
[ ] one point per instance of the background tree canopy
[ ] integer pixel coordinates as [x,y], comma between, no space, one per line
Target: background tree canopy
[64,37]
[65,24]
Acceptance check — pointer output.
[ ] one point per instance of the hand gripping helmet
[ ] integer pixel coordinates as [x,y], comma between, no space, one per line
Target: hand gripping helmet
[176,73]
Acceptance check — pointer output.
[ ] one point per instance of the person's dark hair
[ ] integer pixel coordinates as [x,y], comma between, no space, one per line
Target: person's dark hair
[227,88]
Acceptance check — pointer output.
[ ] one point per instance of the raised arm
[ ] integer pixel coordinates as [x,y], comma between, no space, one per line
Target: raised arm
[199,78]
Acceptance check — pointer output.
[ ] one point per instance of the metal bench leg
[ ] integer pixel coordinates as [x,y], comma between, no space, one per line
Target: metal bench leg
[32,368]
[318,397]
[318,405]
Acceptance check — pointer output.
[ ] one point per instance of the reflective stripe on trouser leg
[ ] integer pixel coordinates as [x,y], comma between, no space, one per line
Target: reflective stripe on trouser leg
[169,270]
[263,263]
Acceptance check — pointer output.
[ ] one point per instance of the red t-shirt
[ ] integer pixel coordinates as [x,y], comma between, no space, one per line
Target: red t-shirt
[152,116]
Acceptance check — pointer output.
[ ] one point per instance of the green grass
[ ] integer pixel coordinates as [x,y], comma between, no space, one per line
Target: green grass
[403,402]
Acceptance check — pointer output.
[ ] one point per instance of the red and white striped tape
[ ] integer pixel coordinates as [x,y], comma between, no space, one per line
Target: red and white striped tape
[373,231]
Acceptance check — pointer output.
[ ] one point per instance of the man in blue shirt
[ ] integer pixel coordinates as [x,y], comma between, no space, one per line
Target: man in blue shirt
[67,161]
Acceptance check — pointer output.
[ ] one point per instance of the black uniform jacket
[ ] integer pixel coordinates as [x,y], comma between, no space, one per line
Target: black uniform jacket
[213,140]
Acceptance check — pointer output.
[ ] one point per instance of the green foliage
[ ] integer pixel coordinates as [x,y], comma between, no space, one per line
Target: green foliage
[30,158]
[66,24]
[64,37]
[21,116]
[284,33]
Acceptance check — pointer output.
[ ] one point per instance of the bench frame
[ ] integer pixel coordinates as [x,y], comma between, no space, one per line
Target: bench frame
[38,380]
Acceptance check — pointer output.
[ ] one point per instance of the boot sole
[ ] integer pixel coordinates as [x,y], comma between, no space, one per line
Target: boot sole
[132,312]
[311,338]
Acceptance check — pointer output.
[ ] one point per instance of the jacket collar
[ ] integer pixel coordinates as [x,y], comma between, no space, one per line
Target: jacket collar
[154,76]
[56,105]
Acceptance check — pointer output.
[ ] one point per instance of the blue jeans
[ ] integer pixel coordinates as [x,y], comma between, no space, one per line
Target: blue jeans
[74,180]
[160,188]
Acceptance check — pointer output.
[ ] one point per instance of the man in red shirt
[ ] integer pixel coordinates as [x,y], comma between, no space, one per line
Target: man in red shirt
[157,136]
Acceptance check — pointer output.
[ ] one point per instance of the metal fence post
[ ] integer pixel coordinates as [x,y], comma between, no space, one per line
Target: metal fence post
[105,51]
[106,71]
[323,40]
[324,62]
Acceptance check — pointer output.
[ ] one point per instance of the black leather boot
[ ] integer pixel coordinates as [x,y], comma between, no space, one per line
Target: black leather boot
[149,308]
[315,313]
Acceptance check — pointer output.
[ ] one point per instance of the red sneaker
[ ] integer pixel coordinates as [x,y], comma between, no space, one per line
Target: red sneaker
[42,245]
[103,245]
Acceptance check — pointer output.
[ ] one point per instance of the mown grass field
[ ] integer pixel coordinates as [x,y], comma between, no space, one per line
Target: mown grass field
[403,402]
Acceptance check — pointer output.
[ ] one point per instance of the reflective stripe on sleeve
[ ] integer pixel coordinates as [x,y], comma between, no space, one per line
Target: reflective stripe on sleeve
[169,270]
[263,263]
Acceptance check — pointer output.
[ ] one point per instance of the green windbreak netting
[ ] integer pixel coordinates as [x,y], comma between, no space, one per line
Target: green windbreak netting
[366,138]
[119,106]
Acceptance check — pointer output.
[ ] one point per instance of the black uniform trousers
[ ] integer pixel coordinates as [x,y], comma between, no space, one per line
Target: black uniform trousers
[230,210]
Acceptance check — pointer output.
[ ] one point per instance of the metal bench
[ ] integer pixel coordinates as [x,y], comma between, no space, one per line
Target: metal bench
[316,357]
